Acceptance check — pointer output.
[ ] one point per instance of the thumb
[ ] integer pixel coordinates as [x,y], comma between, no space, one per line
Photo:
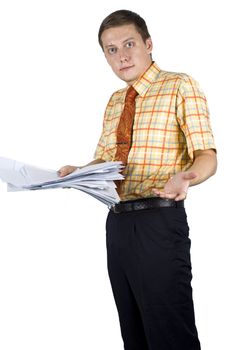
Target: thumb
[190,175]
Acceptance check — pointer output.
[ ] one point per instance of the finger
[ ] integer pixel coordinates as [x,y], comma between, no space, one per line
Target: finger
[168,195]
[181,196]
[61,172]
[65,170]
[156,192]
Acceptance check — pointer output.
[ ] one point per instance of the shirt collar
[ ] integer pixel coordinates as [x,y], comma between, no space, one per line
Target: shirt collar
[147,78]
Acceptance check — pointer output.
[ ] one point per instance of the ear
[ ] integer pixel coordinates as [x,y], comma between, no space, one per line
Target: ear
[149,45]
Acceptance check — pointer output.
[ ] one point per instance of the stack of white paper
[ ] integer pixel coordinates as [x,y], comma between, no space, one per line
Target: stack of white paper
[96,180]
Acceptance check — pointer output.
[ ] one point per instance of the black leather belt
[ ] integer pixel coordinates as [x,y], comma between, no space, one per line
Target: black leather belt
[146,203]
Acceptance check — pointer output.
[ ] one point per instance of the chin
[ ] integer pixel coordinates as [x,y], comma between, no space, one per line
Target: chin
[128,79]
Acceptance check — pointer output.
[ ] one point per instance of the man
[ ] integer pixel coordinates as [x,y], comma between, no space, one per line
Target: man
[167,148]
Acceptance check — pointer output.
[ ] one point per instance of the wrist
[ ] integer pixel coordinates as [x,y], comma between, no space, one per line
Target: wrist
[195,180]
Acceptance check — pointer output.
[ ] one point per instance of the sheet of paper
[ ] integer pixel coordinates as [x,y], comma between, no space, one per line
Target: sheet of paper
[96,180]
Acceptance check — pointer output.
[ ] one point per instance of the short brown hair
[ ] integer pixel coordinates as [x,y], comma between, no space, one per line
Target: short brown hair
[122,17]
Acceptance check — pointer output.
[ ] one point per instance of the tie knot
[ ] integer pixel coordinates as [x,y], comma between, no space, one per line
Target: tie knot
[131,95]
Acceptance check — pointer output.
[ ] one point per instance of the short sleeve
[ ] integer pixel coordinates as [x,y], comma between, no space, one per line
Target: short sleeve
[100,149]
[193,116]
[100,152]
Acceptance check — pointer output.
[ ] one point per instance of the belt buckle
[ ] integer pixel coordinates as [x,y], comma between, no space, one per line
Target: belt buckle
[112,207]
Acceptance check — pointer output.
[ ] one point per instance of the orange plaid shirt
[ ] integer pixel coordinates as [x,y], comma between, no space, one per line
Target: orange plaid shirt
[171,122]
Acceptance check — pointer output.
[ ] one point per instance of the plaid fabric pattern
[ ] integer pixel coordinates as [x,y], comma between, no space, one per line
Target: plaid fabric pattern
[171,122]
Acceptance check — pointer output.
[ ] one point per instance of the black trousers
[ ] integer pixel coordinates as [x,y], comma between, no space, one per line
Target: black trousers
[148,255]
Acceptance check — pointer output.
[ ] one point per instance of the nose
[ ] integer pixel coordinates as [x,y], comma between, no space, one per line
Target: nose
[124,57]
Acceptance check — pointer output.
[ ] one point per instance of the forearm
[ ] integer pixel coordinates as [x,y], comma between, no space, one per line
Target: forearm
[204,165]
[67,169]
[95,161]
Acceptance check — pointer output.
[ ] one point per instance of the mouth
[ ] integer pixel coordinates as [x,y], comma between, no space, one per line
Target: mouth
[124,69]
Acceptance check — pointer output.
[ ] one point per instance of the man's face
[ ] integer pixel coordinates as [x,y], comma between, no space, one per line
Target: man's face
[126,52]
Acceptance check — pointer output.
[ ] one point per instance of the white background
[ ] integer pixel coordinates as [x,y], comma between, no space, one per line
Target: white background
[54,86]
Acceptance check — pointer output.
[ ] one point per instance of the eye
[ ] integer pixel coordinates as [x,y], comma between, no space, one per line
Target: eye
[129,44]
[112,50]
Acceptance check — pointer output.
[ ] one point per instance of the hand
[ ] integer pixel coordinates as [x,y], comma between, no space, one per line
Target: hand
[177,187]
[66,170]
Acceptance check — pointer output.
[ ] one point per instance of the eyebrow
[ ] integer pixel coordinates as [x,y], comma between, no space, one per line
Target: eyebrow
[131,38]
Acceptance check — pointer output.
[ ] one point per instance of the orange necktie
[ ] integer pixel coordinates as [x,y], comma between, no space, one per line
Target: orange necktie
[125,127]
